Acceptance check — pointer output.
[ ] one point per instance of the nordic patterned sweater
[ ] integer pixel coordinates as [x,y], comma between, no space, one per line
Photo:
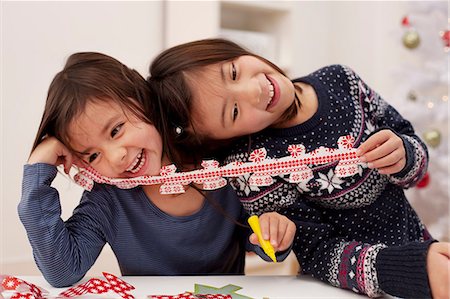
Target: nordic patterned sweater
[144,239]
[358,232]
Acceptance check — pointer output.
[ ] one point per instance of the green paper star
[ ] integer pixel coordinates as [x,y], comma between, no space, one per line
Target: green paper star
[229,289]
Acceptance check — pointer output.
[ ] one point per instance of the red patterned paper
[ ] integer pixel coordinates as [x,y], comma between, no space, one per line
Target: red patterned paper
[98,286]
[24,290]
[189,295]
[261,169]
[21,288]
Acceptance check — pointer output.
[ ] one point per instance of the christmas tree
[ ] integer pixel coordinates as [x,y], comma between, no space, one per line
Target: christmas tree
[423,88]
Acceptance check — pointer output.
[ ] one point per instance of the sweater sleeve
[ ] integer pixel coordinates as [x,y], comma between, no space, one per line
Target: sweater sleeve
[63,251]
[330,256]
[380,115]
[402,270]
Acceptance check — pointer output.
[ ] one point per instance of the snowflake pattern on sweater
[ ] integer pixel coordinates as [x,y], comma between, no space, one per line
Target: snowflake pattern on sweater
[342,223]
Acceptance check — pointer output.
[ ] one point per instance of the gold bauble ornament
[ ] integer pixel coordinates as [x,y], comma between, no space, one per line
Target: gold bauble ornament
[411,39]
[432,137]
[412,96]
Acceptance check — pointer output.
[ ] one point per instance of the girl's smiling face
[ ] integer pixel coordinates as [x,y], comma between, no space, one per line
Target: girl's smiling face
[115,142]
[240,97]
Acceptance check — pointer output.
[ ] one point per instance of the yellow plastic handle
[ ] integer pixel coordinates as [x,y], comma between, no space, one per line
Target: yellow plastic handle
[265,244]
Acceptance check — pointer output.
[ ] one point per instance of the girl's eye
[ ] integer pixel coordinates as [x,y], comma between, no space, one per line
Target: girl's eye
[235,111]
[116,130]
[233,71]
[93,157]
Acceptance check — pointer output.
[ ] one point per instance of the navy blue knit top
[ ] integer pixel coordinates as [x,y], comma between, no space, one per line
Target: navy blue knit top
[144,239]
[357,232]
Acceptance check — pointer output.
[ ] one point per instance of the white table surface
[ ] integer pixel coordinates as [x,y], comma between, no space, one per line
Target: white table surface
[272,287]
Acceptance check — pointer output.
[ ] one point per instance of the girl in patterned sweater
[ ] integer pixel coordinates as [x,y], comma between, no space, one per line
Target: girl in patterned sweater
[357,232]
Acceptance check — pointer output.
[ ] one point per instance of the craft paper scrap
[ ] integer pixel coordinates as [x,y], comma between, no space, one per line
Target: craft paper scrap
[229,289]
[20,289]
[189,295]
[98,286]
[261,169]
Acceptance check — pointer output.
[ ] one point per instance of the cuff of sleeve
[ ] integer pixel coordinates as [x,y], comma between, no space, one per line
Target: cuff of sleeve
[409,154]
[402,270]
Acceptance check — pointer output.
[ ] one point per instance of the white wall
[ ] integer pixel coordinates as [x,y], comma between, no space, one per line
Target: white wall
[37,37]
[365,35]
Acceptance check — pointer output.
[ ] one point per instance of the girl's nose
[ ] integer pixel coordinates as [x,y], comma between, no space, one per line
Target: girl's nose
[248,94]
[116,156]
[251,95]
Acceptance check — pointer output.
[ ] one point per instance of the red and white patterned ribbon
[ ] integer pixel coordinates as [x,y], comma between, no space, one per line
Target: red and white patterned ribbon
[189,295]
[20,288]
[24,290]
[98,286]
[261,169]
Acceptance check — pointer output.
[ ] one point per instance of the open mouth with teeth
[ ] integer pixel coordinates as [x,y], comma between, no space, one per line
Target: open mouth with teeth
[272,94]
[138,163]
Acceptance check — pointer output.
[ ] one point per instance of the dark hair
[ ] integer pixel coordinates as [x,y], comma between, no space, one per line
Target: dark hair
[90,76]
[167,78]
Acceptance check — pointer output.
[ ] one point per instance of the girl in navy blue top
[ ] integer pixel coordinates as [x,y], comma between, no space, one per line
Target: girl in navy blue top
[357,232]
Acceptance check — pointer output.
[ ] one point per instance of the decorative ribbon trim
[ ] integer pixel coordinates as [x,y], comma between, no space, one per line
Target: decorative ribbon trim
[261,169]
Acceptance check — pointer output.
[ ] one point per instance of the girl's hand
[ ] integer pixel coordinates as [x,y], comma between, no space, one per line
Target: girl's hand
[438,267]
[384,151]
[276,228]
[52,151]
